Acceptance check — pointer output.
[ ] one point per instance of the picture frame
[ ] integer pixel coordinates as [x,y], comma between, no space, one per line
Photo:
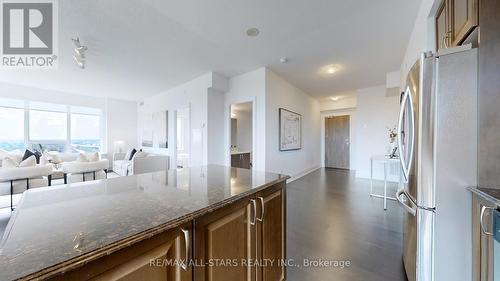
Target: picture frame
[290,130]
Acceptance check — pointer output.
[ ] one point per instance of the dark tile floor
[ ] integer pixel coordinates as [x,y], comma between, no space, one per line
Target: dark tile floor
[331,216]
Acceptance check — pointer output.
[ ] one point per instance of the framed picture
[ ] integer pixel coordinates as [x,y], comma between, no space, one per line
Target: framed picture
[290,130]
[147,131]
[160,121]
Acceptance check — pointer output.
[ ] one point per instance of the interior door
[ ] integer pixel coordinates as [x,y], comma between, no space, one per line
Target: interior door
[337,141]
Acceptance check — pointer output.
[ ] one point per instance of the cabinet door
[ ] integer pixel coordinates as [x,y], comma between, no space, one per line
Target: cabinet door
[271,234]
[482,243]
[156,259]
[236,160]
[442,39]
[464,17]
[225,243]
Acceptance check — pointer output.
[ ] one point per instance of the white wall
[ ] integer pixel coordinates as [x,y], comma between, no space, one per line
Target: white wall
[121,123]
[248,87]
[347,101]
[215,126]
[375,113]
[244,130]
[422,37]
[281,94]
[193,94]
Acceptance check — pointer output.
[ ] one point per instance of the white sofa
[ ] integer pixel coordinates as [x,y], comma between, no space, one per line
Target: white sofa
[139,165]
[17,180]
[75,171]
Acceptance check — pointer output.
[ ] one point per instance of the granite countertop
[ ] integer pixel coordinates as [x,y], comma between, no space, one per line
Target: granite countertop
[42,230]
[490,194]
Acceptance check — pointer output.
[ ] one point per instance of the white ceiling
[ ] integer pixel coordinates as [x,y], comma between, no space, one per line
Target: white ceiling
[139,48]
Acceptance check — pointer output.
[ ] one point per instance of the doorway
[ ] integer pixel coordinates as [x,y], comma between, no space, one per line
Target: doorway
[337,142]
[241,135]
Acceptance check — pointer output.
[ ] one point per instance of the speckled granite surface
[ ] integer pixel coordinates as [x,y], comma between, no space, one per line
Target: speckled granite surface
[490,194]
[42,230]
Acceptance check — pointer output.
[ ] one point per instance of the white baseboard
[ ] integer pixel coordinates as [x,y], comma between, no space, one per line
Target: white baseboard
[301,174]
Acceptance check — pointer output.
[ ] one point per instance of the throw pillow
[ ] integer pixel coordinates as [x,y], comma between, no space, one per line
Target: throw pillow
[127,155]
[13,155]
[82,158]
[7,162]
[131,154]
[54,157]
[28,153]
[43,159]
[28,162]
[139,154]
[93,157]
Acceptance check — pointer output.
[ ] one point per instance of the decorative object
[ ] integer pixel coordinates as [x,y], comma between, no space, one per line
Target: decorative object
[80,50]
[160,131]
[392,147]
[155,130]
[147,131]
[290,130]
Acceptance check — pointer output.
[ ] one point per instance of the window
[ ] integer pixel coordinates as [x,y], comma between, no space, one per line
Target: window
[85,133]
[11,128]
[46,126]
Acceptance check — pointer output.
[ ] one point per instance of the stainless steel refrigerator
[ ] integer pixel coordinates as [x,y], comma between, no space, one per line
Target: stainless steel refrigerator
[438,153]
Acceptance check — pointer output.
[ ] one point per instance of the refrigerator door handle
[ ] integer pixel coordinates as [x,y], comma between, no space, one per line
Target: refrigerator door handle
[406,163]
[483,229]
[409,209]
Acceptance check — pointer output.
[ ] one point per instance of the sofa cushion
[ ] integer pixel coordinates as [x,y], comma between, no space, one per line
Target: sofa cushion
[7,162]
[93,156]
[82,158]
[28,162]
[28,153]
[7,174]
[15,155]
[83,167]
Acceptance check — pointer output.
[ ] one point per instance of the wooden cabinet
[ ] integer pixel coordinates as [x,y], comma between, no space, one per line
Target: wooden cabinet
[442,27]
[242,241]
[482,243]
[241,160]
[251,234]
[159,258]
[223,240]
[464,17]
[271,235]
[455,20]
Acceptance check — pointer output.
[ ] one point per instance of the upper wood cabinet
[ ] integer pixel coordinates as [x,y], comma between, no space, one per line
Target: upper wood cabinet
[442,31]
[464,17]
[455,20]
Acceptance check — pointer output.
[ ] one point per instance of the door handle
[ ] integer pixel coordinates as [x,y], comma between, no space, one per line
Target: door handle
[409,209]
[406,166]
[184,266]
[254,205]
[262,209]
[483,229]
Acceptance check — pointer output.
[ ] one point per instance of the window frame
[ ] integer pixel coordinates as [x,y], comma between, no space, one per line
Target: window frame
[28,142]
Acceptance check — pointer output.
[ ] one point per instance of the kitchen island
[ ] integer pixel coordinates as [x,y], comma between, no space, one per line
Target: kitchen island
[174,225]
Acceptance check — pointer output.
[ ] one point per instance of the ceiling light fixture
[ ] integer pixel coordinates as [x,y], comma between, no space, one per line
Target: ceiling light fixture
[284,60]
[80,50]
[329,69]
[253,32]
[335,98]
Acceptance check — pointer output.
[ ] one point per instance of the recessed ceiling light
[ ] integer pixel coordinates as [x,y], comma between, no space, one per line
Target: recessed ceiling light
[335,98]
[329,69]
[253,32]
[284,60]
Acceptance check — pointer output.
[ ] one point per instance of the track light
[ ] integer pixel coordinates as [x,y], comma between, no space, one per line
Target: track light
[80,50]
